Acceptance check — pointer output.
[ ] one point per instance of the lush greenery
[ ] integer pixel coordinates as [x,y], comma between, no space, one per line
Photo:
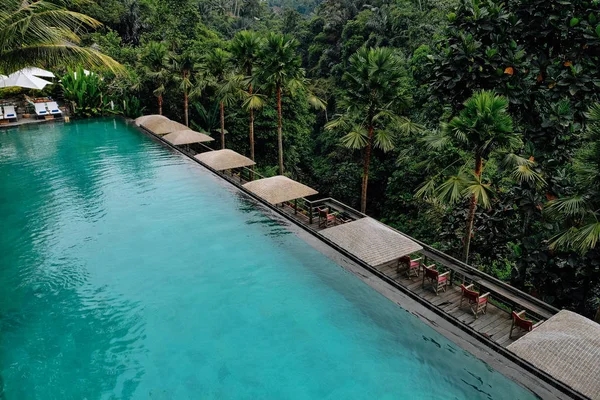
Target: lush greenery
[468,121]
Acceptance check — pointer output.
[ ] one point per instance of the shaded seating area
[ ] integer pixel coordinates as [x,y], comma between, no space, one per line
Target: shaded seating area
[279,189]
[221,160]
[567,347]
[477,303]
[371,241]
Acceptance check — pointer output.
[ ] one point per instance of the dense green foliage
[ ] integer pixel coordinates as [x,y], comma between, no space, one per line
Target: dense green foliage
[514,150]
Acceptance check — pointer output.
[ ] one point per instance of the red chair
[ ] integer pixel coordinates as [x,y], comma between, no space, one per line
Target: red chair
[325,218]
[438,281]
[414,266]
[521,323]
[477,303]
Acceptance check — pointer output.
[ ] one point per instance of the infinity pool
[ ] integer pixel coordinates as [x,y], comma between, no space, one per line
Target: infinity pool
[129,272]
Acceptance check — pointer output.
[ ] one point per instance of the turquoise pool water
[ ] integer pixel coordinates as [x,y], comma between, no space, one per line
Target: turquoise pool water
[129,272]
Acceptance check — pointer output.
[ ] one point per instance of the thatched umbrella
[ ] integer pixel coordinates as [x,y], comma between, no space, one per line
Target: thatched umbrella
[279,189]
[187,137]
[221,160]
[160,126]
[371,241]
[153,117]
[566,346]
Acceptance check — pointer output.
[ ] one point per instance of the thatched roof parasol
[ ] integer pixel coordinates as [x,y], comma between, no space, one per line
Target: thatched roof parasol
[160,126]
[145,118]
[567,346]
[279,189]
[371,241]
[187,137]
[220,160]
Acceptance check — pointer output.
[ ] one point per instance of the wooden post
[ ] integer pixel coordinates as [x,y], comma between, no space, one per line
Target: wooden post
[295,206]
[310,214]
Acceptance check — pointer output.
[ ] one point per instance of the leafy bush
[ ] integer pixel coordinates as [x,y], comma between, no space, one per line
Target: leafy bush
[84,92]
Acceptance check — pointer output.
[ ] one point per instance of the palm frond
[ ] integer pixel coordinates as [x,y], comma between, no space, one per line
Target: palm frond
[356,139]
[569,207]
[452,190]
[384,140]
[436,140]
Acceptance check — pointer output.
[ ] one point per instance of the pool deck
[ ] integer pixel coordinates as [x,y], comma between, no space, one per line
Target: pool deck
[495,324]
[28,121]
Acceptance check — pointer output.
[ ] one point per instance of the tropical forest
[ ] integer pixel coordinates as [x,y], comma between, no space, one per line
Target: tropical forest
[470,125]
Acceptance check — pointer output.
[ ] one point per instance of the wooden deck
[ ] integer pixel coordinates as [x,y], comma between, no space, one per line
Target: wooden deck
[495,323]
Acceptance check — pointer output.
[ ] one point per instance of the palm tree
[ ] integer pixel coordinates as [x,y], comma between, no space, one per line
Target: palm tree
[155,61]
[280,69]
[579,213]
[184,65]
[483,127]
[370,105]
[245,48]
[42,33]
[216,65]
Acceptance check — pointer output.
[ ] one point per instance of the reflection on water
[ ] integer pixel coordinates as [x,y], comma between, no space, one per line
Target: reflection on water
[129,272]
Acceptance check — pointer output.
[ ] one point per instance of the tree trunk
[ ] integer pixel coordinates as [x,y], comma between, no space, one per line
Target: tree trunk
[160,101]
[471,215]
[365,178]
[279,130]
[185,100]
[251,128]
[222,125]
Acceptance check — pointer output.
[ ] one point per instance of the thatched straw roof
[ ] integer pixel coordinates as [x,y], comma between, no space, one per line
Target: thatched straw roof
[144,118]
[278,189]
[567,346]
[371,241]
[187,137]
[161,126]
[220,160]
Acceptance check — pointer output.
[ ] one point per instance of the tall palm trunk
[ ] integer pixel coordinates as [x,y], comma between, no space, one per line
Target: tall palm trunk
[472,209]
[251,127]
[279,130]
[222,124]
[365,177]
[185,100]
[160,101]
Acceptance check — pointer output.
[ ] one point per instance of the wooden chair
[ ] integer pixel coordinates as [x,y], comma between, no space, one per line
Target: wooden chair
[325,218]
[521,323]
[414,265]
[438,281]
[478,303]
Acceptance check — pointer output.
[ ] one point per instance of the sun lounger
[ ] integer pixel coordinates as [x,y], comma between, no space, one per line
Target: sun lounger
[9,112]
[40,109]
[53,108]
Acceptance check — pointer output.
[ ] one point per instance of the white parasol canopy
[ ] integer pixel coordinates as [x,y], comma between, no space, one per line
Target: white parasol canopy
[24,80]
[35,71]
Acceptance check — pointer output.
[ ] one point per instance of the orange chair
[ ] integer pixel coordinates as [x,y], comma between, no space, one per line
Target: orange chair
[414,266]
[325,218]
[521,323]
[438,281]
[478,303]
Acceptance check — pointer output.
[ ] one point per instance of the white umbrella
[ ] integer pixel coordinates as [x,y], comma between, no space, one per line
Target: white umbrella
[38,72]
[24,80]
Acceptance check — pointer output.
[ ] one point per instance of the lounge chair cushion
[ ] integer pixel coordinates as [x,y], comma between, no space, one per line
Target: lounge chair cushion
[442,278]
